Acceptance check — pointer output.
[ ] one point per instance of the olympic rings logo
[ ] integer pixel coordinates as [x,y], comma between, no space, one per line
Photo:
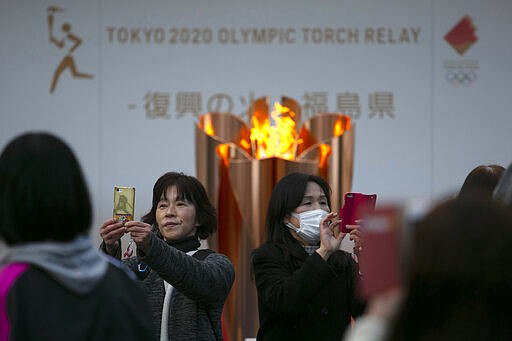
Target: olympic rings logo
[460,77]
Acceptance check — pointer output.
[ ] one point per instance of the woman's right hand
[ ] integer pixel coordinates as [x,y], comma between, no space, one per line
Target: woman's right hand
[329,242]
[111,232]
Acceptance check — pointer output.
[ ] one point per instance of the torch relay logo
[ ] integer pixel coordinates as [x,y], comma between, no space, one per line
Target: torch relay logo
[67,38]
[462,36]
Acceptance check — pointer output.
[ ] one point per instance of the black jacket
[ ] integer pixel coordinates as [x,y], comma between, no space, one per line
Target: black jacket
[311,300]
[40,308]
[201,286]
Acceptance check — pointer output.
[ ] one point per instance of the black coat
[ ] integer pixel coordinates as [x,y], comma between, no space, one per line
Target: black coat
[201,286]
[40,308]
[311,300]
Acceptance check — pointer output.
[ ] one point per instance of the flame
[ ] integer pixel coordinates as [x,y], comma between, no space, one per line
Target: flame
[246,145]
[342,124]
[278,140]
[222,151]
[325,151]
[208,125]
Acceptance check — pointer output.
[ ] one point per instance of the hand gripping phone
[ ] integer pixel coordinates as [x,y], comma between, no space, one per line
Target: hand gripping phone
[355,205]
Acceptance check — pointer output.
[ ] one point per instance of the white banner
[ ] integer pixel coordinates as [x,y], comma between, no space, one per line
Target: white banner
[426,82]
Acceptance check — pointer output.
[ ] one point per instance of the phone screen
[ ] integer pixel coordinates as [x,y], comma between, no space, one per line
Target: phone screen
[354,207]
[124,203]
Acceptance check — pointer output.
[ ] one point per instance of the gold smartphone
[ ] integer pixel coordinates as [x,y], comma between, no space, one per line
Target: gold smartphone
[124,203]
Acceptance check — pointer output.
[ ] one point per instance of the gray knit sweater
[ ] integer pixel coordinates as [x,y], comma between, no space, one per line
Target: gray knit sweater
[200,290]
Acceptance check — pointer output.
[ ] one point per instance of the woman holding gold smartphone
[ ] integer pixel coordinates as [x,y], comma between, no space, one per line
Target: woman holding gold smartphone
[186,286]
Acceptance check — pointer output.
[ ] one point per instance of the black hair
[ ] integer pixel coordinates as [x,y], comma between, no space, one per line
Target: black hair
[481,181]
[503,190]
[190,189]
[43,193]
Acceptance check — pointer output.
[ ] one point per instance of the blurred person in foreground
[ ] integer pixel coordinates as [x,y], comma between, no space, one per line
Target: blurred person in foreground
[481,181]
[503,190]
[54,284]
[458,280]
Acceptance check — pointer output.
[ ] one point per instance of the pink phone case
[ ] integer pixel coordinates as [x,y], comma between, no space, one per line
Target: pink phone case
[354,207]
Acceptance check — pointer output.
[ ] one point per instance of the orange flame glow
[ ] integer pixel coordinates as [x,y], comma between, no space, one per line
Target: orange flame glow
[222,152]
[325,151]
[246,145]
[208,126]
[278,140]
[338,128]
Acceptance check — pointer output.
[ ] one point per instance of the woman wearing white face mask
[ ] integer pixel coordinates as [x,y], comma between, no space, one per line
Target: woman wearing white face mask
[306,286]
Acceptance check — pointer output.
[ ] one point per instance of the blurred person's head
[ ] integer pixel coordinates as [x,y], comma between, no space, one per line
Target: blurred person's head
[43,193]
[459,279]
[503,190]
[481,181]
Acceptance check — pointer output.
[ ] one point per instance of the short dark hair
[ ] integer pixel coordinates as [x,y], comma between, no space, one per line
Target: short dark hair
[43,193]
[190,189]
[285,197]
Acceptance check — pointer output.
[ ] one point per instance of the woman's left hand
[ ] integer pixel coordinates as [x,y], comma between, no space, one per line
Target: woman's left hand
[141,234]
[357,237]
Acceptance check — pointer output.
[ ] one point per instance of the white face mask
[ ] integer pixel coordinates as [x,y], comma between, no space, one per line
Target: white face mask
[309,221]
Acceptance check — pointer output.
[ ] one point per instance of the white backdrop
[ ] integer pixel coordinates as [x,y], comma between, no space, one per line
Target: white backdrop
[157,65]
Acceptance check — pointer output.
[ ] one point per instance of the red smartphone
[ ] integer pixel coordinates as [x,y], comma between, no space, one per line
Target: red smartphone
[355,205]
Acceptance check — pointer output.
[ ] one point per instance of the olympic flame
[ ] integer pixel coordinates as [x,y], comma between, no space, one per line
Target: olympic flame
[275,140]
